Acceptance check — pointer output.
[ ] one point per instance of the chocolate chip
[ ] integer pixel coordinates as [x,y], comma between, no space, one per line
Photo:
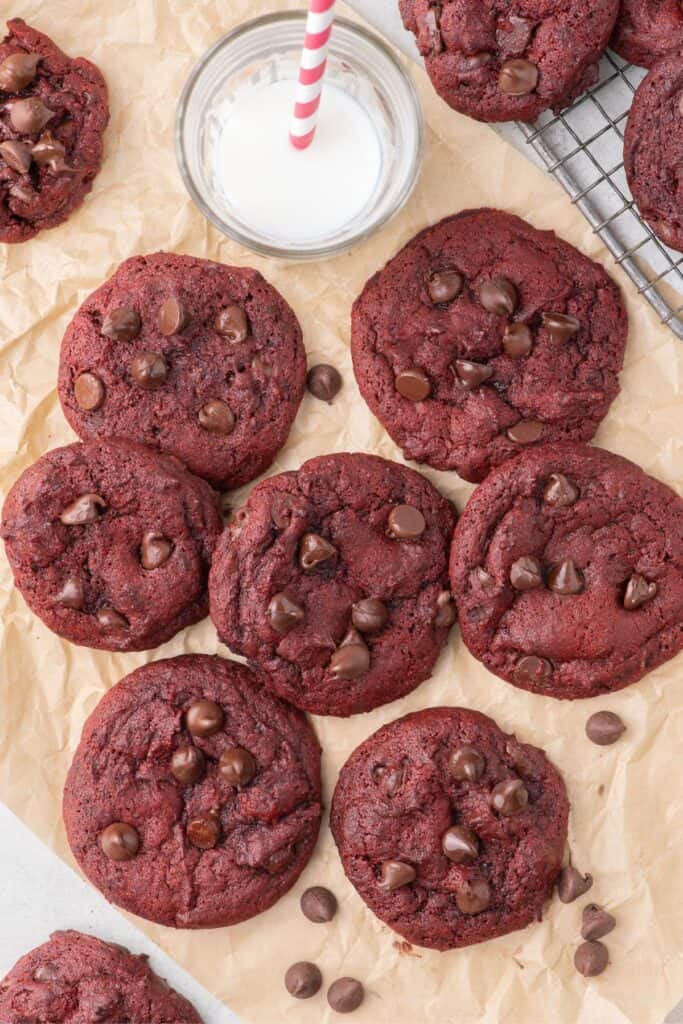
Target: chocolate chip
[518,77]
[155,550]
[46,972]
[352,657]
[561,327]
[49,152]
[468,66]
[591,959]
[472,374]
[216,417]
[413,384]
[232,323]
[17,71]
[110,619]
[121,324]
[188,764]
[509,797]
[303,980]
[498,296]
[284,614]
[84,510]
[604,728]
[526,573]
[318,904]
[119,841]
[406,522]
[460,844]
[391,779]
[149,370]
[517,341]
[533,671]
[638,592]
[71,595]
[473,895]
[395,874]
[345,995]
[369,615]
[314,550]
[203,833]
[596,923]
[466,764]
[29,116]
[566,579]
[16,155]
[445,614]
[324,382]
[571,884]
[88,392]
[525,432]
[204,718]
[444,286]
[237,766]
[173,317]
[559,491]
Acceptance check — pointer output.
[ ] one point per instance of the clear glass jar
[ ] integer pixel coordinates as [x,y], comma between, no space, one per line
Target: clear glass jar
[268,49]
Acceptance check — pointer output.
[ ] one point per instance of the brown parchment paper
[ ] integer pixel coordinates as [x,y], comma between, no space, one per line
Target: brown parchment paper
[627,801]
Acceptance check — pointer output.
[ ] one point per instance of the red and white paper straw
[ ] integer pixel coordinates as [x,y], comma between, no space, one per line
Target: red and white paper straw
[309,84]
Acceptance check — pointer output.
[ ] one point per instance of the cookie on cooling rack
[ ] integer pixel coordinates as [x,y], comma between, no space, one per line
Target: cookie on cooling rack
[647,30]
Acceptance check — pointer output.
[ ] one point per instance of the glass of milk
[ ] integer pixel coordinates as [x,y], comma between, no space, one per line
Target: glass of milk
[234,153]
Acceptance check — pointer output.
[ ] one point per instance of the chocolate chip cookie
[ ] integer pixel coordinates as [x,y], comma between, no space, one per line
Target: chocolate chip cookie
[193,799]
[647,30]
[200,360]
[653,150]
[509,60]
[567,568]
[78,979]
[53,113]
[484,336]
[451,830]
[110,544]
[333,581]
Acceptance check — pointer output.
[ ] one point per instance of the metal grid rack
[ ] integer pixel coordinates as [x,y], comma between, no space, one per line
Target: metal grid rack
[583,149]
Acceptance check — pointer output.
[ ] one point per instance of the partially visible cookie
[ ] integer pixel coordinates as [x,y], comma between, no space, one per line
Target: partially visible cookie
[110,544]
[452,831]
[653,149]
[198,359]
[505,61]
[78,979]
[647,30]
[567,568]
[193,799]
[483,336]
[52,117]
[333,581]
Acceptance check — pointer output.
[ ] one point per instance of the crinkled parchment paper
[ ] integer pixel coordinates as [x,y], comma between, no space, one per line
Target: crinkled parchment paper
[627,800]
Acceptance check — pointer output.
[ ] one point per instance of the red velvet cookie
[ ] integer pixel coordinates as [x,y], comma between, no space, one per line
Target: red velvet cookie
[200,360]
[78,979]
[647,30]
[333,581]
[653,150]
[193,799]
[110,544]
[483,336]
[567,569]
[505,60]
[53,114]
[451,830]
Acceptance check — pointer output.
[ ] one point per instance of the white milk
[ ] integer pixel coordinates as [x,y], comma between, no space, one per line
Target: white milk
[288,194]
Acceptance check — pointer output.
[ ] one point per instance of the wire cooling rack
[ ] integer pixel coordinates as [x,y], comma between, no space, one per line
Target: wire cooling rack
[583,149]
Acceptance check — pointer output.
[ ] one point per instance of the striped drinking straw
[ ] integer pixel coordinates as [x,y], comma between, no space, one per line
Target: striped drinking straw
[309,84]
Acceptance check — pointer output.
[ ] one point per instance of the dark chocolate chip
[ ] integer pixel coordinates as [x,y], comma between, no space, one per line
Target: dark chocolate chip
[369,615]
[571,884]
[314,550]
[445,610]
[638,592]
[591,959]
[71,595]
[395,874]
[352,657]
[284,614]
[413,384]
[509,797]
[526,573]
[17,71]
[110,619]
[533,671]
[49,152]
[318,904]
[498,296]
[155,550]
[16,155]
[84,510]
[149,370]
[119,841]
[525,432]
[559,491]
[324,382]
[345,995]
[466,763]
[204,718]
[444,286]
[188,764]
[472,374]
[173,317]
[237,766]
[216,417]
[604,728]
[88,392]
[460,844]
[566,579]
[406,522]
[29,116]
[517,341]
[204,832]
[561,327]
[121,324]
[596,923]
[473,895]
[518,77]
[232,323]
[303,980]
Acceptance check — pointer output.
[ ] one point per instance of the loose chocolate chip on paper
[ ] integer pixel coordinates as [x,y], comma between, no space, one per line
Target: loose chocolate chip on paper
[204,718]
[604,728]
[324,382]
[596,923]
[318,904]
[591,959]
[413,384]
[395,874]
[119,841]
[121,324]
[303,980]
[571,884]
[466,763]
[88,392]
[369,615]
[188,764]
[345,995]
